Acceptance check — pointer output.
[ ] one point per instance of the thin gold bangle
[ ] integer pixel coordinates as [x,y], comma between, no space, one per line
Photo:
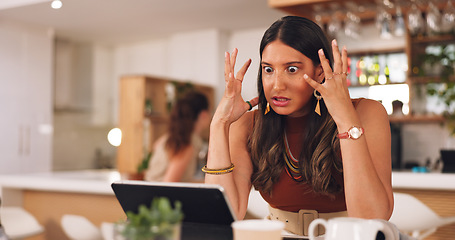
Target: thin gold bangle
[218,171]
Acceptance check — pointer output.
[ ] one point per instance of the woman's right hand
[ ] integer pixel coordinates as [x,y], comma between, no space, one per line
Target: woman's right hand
[232,106]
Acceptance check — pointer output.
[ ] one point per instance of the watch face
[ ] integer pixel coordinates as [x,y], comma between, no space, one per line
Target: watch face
[355,133]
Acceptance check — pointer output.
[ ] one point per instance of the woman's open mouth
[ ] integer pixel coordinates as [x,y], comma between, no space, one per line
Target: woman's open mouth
[280,101]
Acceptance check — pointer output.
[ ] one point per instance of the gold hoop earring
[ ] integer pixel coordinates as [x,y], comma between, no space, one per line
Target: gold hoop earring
[267,109]
[318,97]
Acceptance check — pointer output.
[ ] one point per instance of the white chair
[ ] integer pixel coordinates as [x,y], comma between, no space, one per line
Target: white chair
[18,223]
[108,231]
[257,206]
[80,228]
[412,216]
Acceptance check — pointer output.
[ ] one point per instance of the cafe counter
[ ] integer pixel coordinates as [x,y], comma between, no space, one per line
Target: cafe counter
[436,190]
[48,196]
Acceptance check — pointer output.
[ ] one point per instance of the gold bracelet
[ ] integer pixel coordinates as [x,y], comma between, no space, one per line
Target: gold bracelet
[218,171]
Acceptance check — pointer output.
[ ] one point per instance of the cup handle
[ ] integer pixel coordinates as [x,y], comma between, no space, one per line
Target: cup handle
[314,224]
[389,230]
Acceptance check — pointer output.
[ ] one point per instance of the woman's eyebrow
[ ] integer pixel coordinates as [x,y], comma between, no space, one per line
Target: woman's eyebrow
[288,63]
[294,62]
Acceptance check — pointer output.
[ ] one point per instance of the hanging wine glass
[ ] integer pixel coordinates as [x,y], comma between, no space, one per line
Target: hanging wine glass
[416,24]
[399,23]
[433,20]
[386,24]
[352,25]
[334,26]
[352,21]
[318,14]
[379,17]
[448,18]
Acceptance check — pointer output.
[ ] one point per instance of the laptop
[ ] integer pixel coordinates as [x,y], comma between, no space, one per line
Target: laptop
[448,159]
[207,212]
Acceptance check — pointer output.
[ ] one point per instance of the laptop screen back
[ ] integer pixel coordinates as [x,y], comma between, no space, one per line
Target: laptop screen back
[448,159]
[201,203]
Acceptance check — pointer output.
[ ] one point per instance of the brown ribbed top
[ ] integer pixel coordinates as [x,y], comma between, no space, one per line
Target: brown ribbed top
[290,195]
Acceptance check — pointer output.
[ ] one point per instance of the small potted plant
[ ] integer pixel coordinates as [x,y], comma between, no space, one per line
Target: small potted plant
[141,167]
[158,222]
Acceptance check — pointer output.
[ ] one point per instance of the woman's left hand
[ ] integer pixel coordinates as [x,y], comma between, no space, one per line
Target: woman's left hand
[334,90]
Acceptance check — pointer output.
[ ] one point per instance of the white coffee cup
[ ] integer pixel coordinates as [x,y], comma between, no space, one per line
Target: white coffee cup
[257,229]
[345,228]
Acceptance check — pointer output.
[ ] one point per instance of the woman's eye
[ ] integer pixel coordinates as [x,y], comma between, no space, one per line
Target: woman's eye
[268,69]
[293,69]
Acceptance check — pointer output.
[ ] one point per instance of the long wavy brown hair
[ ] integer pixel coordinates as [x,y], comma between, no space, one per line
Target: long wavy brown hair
[320,156]
[183,117]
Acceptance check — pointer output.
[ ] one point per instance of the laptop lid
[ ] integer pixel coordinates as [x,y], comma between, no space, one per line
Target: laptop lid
[201,203]
[448,159]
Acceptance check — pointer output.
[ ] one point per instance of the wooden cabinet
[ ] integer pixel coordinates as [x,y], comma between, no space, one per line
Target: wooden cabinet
[141,127]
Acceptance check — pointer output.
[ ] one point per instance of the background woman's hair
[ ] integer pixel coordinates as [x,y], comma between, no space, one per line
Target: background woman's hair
[184,114]
[320,154]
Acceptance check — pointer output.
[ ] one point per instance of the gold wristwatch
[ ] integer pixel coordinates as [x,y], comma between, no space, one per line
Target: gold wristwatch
[353,133]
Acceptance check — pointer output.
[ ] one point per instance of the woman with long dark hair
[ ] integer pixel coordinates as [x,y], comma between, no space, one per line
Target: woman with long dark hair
[175,154]
[309,149]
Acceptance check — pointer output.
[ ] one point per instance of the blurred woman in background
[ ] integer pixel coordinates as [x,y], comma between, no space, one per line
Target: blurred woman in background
[175,153]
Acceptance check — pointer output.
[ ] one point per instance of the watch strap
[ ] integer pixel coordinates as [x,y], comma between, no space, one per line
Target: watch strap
[343,135]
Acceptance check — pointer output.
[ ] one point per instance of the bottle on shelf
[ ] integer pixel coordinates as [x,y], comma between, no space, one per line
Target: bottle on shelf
[360,72]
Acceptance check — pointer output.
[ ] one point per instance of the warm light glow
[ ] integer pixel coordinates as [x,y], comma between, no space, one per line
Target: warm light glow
[382,79]
[371,80]
[388,93]
[363,79]
[115,137]
[56,4]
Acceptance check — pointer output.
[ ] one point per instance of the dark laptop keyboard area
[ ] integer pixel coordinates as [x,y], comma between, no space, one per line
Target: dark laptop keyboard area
[198,231]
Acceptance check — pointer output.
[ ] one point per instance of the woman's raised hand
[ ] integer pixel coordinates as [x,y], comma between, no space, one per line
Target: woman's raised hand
[334,90]
[232,106]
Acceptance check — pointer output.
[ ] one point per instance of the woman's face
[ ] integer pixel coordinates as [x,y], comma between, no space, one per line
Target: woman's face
[285,89]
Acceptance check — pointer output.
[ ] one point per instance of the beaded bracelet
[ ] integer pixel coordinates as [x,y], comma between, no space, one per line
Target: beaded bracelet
[218,171]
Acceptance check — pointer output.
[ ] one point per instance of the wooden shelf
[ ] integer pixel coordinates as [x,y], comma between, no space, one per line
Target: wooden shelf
[427,79]
[365,9]
[156,117]
[138,136]
[367,85]
[434,39]
[417,119]
[307,8]
[376,51]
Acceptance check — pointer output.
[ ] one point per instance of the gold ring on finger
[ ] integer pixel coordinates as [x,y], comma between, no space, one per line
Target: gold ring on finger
[329,78]
[337,73]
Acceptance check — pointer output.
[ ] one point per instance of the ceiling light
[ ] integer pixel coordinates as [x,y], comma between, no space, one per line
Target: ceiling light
[56,4]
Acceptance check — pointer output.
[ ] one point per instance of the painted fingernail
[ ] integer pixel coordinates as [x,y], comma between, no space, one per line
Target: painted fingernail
[335,42]
[344,48]
[225,54]
[321,51]
[305,76]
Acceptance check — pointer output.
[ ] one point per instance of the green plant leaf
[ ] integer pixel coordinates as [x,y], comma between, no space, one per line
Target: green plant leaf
[157,220]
